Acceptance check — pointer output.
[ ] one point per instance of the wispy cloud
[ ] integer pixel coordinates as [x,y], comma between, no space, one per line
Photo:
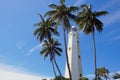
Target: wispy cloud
[111,33]
[114,17]
[109,4]
[34,49]
[115,38]
[20,46]
[14,73]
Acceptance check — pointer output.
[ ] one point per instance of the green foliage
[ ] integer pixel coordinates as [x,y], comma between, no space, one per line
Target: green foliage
[59,78]
[116,76]
[61,14]
[103,72]
[51,47]
[88,20]
[83,78]
[45,29]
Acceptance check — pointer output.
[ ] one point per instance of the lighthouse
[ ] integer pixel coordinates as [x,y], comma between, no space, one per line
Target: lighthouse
[74,56]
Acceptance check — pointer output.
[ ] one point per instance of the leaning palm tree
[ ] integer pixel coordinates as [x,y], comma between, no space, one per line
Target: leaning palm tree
[116,76]
[88,22]
[61,13]
[51,48]
[103,72]
[45,29]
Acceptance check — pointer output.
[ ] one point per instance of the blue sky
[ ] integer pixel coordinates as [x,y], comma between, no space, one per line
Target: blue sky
[19,49]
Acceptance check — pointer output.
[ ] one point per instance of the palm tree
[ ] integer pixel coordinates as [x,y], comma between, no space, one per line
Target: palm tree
[103,72]
[62,14]
[45,29]
[116,76]
[51,48]
[88,22]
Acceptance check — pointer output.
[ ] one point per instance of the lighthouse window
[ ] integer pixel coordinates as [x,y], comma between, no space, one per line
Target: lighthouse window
[77,41]
[69,48]
[78,56]
[80,75]
[73,34]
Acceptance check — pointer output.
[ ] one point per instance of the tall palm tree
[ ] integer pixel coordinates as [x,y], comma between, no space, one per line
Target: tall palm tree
[88,22]
[51,48]
[116,76]
[103,72]
[45,29]
[61,13]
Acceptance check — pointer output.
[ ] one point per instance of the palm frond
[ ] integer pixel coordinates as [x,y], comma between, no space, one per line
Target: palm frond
[47,53]
[56,43]
[73,17]
[36,32]
[46,44]
[80,20]
[81,26]
[80,13]
[37,24]
[43,50]
[88,29]
[97,14]
[62,1]
[50,13]
[58,21]
[42,36]
[73,8]
[53,6]
[56,16]
[66,24]
[55,32]
[57,52]
[98,25]
[84,6]
[59,49]
[41,18]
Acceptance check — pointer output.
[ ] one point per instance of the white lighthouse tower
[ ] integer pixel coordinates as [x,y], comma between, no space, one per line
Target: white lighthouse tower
[74,55]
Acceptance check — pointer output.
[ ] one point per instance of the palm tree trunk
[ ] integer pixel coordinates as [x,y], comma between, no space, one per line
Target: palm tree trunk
[106,78]
[57,67]
[67,54]
[95,61]
[53,68]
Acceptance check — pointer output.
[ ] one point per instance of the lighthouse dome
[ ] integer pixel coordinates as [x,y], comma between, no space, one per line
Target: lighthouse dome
[73,28]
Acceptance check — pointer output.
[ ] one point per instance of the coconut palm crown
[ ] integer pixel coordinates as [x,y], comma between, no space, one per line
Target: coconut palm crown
[45,29]
[51,48]
[88,22]
[62,14]
[103,72]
